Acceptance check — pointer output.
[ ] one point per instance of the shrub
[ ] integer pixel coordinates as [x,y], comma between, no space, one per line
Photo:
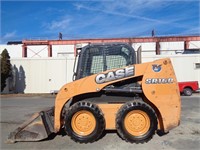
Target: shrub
[5,68]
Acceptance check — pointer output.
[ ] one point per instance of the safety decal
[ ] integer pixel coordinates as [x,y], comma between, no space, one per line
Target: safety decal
[156,67]
[159,80]
[115,75]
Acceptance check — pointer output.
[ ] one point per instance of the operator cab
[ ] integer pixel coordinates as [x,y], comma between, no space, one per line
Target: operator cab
[96,58]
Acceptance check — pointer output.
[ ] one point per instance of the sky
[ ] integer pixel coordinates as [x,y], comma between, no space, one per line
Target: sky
[78,19]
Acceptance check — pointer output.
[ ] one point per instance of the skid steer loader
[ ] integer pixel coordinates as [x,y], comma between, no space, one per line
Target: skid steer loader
[110,91]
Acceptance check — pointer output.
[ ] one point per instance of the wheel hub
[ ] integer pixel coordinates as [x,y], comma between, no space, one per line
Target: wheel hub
[83,123]
[137,122]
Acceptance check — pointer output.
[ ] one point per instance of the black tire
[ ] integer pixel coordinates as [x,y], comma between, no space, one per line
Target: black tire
[141,108]
[95,114]
[187,91]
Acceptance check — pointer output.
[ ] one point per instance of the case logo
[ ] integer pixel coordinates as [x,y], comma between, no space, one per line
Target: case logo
[156,68]
[115,75]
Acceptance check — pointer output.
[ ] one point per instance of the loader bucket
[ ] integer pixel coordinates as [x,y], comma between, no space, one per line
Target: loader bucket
[37,128]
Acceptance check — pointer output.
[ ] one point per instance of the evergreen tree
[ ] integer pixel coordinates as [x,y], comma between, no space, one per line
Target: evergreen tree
[5,68]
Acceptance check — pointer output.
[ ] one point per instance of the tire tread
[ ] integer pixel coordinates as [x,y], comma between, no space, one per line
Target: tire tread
[119,118]
[84,105]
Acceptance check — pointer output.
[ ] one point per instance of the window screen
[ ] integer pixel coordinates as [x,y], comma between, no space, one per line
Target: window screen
[99,58]
[97,64]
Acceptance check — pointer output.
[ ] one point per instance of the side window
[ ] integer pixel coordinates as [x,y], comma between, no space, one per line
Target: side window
[115,61]
[97,64]
[92,62]
[119,58]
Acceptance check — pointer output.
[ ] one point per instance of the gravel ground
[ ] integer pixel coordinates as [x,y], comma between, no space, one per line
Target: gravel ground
[16,109]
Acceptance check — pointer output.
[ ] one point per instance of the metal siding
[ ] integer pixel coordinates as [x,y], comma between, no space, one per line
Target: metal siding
[145,46]
[171,45]
[42,75]
[194,44]
[148,49]
[62,49]
[15,51]
[70,65]
[37,51]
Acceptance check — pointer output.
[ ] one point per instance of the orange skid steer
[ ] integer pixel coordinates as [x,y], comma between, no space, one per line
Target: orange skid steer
[110,91]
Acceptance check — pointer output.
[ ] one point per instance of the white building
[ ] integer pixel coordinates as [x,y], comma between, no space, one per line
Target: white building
[42,66]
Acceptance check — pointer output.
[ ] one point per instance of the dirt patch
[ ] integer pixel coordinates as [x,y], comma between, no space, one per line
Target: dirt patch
[196,132]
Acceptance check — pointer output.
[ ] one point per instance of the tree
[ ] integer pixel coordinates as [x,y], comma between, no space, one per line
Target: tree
[5,68]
